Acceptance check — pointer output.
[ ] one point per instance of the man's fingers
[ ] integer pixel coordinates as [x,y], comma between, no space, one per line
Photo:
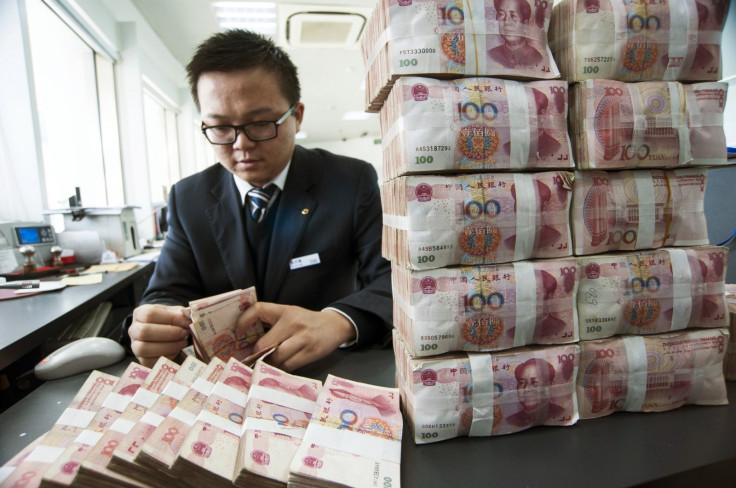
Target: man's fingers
[266,312]
[153,350]
[161,314]
[157,332]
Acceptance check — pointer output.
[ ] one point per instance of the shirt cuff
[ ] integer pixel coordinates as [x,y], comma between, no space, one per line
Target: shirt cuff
[349,343]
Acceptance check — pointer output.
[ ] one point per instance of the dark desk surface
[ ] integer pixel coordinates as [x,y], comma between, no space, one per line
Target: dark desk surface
[623,449]
[26,322]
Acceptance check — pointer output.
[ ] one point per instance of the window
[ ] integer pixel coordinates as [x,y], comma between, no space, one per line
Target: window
[161,146]
[75,100]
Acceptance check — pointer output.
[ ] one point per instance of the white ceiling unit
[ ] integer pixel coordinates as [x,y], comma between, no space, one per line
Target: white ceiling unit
[317,27]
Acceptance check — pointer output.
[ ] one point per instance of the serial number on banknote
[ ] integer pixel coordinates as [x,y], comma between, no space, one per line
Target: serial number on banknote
[433,148]
[599,59]
[438,247]
[437,337]
[424,50]
[598,320]
[438,426]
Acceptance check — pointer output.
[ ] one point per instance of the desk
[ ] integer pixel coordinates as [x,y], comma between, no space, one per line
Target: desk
[26,322]
[623,449]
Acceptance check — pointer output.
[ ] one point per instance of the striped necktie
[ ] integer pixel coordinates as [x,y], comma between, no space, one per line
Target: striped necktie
[259,199]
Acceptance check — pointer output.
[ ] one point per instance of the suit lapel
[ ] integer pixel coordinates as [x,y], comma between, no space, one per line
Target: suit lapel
[228,229]
[294,212]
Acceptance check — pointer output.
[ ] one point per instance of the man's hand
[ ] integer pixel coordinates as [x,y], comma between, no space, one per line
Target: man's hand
[158,330]
[303,336]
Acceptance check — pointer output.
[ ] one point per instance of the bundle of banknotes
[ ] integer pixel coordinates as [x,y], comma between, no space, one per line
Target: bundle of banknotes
[436,221]
[648,292]
[506,38]
[486,308]
[729,364]
[652,373]
[214,321]
[638,209]
[638,40]
[220,424]
[474,125]
[655,124]
[484,394]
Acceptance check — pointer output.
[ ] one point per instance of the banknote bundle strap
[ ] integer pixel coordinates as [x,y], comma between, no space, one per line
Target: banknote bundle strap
[220,422]
[183,415]
[682,292]
[519,118]
[526,215]
[116,401]
[481,367]
[274,427]
[75,417]
[152,418]
[526,303]
[145,398]
[45,454]
[636,379]
[88,437]
[281,398]
[229,393]
[357,443]
[646,210]
[175,390]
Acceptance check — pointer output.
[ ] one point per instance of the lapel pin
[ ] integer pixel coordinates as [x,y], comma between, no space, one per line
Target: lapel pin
[305,211]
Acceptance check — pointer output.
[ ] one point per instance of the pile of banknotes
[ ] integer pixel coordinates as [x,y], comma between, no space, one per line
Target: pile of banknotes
[216,424]
[519,246]
[455,39]
[638,40]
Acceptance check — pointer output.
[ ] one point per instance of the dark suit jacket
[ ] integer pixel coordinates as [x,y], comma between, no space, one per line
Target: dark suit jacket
[330,205]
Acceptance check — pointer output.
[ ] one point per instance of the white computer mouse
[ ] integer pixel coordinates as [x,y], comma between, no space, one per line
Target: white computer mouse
[79,356]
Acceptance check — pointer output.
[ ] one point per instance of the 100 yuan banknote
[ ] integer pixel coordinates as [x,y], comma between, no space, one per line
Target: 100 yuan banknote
[485,394]
[214,321]
[474,124]
[436,221]
[637,40]
[652,373]
[651,292]
[639,209]
[486,308]
[353,437]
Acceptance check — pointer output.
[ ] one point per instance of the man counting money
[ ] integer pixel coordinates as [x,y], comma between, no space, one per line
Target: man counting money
[302,226]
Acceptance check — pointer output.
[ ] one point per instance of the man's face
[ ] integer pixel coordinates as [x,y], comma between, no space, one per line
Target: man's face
[509,13]
[528,388]
[240,97]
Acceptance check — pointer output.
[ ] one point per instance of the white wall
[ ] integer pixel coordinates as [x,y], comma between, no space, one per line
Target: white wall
[363,148]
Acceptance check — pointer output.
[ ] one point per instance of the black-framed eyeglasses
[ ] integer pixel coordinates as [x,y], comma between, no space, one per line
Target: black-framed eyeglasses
[262,130]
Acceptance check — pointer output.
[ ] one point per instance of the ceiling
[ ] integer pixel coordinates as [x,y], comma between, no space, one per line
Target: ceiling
[331,78]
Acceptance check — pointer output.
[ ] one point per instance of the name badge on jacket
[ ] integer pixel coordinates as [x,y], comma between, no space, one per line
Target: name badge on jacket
[304,261]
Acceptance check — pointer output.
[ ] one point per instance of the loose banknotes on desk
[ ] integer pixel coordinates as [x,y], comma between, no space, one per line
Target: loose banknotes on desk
[484,394]
[156,455]
[649,292]
[72,422]
[486,308]
[436,221]
[652,373]
[209,453]
[213,325]
[94,471]
[638,209]
[279,408]
[455,39]
[63,470]
[353,438]
[638,40]
[474,125]
[123,457]
[654,124]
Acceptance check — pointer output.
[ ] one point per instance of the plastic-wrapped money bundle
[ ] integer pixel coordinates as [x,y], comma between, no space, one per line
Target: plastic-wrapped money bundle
[486,308]
[729,365]
[652,373]
[213,325]
[506,38]
[435,221]
[279,408]
[637,40]
[75,420]
[484,394]
[353,438]
[474,124]
[655,124]
[649,292]
[640,209]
